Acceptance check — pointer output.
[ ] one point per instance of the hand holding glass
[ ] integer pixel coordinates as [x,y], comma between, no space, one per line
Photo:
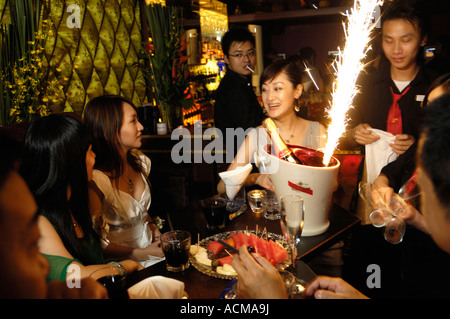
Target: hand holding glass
[112,277]
[389,211]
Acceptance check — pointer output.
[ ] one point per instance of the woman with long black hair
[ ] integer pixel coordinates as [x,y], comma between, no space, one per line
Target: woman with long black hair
[57,164]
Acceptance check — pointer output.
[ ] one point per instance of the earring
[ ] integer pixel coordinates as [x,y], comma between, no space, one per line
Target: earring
[296,106]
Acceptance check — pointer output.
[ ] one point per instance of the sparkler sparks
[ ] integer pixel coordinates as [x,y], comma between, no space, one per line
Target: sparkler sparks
[348,66]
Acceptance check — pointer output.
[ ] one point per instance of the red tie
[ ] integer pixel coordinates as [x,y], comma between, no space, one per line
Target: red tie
[394,121]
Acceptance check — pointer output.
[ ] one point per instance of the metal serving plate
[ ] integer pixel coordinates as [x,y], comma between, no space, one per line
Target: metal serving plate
[211,272]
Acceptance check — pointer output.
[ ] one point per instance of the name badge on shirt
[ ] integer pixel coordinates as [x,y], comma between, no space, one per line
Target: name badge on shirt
[420,98]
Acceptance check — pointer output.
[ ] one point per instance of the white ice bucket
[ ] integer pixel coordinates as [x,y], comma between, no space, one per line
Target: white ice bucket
[315,184]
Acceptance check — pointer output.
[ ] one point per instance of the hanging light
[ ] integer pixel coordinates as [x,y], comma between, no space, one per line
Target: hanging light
[161,2]
[213,18]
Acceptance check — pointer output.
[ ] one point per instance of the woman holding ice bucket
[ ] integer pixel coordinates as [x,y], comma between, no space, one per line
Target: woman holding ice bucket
[281,89]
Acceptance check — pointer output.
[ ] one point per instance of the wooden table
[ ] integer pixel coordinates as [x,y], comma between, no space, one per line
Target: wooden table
[200,286]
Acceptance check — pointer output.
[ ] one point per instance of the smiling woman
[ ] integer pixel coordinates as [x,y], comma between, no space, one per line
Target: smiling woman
[281,87]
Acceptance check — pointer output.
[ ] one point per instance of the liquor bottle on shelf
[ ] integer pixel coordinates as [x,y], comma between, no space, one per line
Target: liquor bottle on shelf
[280,146]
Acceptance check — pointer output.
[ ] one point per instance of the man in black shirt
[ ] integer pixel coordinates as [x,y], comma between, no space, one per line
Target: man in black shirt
[236,104]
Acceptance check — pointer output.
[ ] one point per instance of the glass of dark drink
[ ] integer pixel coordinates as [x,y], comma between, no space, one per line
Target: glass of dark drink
[176,245]
[215,211]
[112,277]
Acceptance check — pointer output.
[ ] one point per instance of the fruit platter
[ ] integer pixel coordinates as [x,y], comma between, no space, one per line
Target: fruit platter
[213,259]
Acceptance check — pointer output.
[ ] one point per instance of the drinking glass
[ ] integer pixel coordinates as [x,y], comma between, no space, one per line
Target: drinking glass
[235,196]
[112,277]
[256,200]
[387,214]
[395,230]
[272,206]
[215,211]
[175,245]
[295,287]
[410,191]
[292,211]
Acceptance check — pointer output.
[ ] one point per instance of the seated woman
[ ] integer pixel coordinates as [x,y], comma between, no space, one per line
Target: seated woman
[281,88]
[120,191]
[58,162]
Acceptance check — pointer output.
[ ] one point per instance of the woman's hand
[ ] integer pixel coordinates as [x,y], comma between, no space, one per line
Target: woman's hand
[263,180]
[154,249]
[131,265]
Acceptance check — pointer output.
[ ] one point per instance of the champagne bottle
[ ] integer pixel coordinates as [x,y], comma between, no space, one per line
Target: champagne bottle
[280,146]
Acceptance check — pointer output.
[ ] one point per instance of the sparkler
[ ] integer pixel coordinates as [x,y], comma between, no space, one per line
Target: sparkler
[349,65]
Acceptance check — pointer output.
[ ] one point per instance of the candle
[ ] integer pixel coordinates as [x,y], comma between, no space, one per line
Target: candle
[161,128]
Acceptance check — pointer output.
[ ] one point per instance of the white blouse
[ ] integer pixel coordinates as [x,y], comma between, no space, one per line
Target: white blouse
[125,216]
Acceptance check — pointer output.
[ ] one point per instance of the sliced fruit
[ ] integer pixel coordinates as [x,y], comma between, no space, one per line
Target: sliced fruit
[244,239]
[214,247]
[261,248]
[225,260]
[230,241]
[237,240]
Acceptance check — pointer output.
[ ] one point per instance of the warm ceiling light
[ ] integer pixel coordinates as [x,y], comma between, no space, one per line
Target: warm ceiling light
[162,2]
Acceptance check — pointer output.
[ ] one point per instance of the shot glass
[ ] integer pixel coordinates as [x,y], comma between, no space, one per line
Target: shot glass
[272,206]
[175,245]
[256,200]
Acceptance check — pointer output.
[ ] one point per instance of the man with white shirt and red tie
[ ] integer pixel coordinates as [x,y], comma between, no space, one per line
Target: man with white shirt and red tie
[390,100]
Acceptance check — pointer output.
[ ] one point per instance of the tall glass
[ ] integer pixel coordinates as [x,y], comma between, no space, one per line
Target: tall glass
[292,214]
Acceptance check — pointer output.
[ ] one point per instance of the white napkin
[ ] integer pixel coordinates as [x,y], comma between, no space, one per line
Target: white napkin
[157,287]
[379,154]
[151,261]
[235,178]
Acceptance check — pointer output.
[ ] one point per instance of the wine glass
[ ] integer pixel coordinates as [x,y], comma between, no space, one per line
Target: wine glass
[292,214]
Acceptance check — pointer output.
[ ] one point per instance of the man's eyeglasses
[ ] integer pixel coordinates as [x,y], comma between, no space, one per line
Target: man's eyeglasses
[240,56]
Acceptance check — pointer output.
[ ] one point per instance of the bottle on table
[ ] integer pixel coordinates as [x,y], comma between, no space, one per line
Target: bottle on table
[282,150]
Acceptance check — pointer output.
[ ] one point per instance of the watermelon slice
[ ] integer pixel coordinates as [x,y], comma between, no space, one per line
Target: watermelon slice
[214,247]
[225,260]
[237,240]
[276,252]
[261,248]
[244,239]
[280,253]
[253,241]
